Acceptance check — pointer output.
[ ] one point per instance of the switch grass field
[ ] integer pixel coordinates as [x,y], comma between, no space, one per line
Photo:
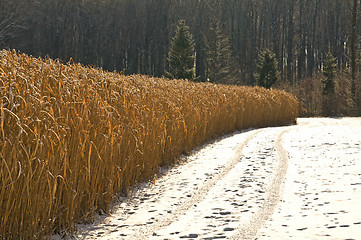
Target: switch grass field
[74,137]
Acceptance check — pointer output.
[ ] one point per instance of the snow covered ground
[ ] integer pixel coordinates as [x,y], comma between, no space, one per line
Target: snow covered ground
[322,191]
[293,182]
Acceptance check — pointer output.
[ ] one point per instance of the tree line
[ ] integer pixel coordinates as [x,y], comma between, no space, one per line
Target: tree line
[134,36]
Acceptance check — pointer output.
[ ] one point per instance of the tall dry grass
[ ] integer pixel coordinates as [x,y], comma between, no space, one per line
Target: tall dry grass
[72,137]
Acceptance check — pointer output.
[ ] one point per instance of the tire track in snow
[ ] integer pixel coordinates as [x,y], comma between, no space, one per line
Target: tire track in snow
[166,220]
[320,197]
[249,231]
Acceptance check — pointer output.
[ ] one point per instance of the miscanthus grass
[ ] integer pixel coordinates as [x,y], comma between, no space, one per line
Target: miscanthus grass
[73,137]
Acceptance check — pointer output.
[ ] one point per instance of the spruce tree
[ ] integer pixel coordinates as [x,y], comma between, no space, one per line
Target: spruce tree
[268,72]
[219,55]
[329,73]
[181,55]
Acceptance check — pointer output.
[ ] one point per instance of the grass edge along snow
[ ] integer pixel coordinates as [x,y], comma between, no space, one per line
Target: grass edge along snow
[72,137]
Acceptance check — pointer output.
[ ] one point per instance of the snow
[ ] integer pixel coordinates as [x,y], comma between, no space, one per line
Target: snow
[299,182]
[322,190]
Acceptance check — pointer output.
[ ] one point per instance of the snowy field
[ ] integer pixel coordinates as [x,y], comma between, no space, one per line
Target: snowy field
[322,190]
[293,182]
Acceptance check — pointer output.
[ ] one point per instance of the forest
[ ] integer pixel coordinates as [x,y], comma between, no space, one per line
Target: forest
[133,37]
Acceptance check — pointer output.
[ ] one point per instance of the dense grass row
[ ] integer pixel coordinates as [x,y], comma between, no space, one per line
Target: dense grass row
[72,137]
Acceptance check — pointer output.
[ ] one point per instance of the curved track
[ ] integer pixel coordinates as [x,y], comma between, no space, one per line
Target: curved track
[229,189]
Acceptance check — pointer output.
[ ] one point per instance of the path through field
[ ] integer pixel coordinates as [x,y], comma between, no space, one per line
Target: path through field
[293,182]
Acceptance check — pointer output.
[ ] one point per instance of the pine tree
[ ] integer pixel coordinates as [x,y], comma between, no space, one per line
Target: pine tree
[329,73]
[181,56]
[219,55]
[268,72]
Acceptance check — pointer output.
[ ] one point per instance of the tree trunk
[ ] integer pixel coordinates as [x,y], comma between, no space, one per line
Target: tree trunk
[353,49]
[353,44]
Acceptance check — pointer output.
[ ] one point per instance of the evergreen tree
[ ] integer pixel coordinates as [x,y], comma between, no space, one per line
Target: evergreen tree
[328,101]
[268,72]
[219,55]
[181,56]
[329,73]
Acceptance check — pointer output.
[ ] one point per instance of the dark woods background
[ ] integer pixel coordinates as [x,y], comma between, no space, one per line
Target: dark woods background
[133,36]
